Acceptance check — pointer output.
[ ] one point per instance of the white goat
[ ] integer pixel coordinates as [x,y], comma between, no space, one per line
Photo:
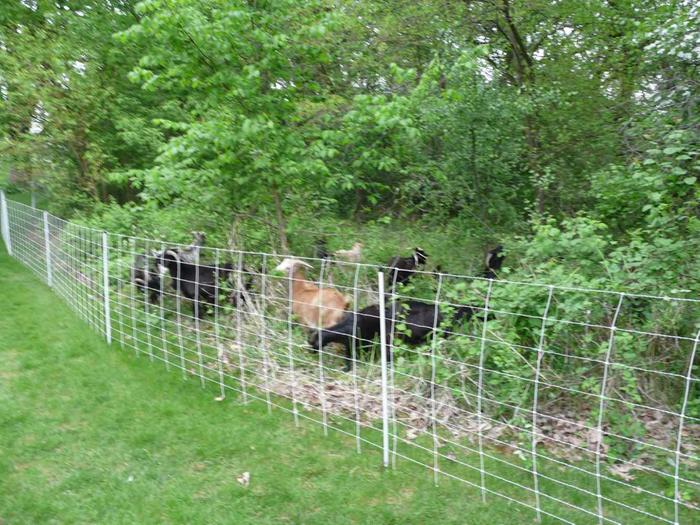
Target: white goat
[352,255]
[191,253]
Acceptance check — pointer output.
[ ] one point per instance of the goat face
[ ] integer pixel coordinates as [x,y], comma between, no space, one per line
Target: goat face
[144,269]
[198,238]
[494,261]
[146,276]
[168,260]
[157,257]
[314,341]
[290,264]
[494,258]
[420,255]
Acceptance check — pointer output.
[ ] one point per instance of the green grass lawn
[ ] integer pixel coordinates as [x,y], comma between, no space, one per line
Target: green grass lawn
[25,197]
[92,434]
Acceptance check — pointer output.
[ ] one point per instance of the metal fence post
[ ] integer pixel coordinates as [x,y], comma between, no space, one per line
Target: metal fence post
[47,249]
[105,283]
[5,227]
[383,353]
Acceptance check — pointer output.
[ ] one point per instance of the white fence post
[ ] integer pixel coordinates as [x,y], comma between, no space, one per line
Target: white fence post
[321,375]
[535,404]
[5,222]
[47,249]
[679,439]
[105,284]
[601,408]
[433,373]
[383,354]
[480,391]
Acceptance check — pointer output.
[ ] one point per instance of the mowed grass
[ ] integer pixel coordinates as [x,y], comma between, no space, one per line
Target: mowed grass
[25,197]
[93,434]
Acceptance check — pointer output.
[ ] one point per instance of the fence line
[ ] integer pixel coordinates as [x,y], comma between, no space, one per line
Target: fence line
[578,405]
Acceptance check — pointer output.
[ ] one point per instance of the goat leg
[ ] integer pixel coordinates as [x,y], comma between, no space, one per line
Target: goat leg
[195,308]
[199,307]
[349,364]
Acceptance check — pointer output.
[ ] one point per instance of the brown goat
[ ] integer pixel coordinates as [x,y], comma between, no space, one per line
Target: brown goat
[315,307]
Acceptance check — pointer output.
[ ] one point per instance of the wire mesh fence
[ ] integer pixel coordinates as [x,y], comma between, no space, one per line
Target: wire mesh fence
[580,406]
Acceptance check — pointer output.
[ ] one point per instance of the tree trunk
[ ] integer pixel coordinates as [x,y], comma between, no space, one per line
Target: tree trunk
[235,242]
[532,162]
[523,73]
[478,189]
[359,199]
[281,223]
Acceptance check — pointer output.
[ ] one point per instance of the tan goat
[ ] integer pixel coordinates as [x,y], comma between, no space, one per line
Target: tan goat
[352,255]
[314,306]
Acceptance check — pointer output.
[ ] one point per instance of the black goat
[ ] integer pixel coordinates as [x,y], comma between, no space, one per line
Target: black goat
[196,282]
[321,250]
[401,269]
[418,317]
[147,278]
[494,261]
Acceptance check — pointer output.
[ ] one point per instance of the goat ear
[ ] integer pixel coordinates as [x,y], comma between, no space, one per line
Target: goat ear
[172,253]
[304,263]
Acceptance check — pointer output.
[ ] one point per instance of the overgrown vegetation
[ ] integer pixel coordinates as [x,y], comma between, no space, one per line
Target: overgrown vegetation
[286,121]
[569,132]
[95,433]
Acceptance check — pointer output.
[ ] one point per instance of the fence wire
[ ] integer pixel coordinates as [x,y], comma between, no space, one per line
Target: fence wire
[580,406]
